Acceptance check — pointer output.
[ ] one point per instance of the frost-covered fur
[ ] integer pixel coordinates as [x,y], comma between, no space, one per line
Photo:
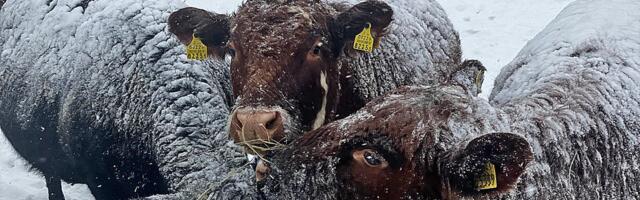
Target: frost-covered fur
[270,69]
[421,47]
[573,92]
[99,92]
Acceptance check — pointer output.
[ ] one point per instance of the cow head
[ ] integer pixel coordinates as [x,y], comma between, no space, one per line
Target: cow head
[285,60]
[399,147]
[470,75]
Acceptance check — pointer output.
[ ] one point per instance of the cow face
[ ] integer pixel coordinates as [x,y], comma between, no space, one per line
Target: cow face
[400,147]
[285,62]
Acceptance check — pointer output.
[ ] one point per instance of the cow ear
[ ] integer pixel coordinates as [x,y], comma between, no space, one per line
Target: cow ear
[348,24]
[489,165]
[470,75]
[213,29]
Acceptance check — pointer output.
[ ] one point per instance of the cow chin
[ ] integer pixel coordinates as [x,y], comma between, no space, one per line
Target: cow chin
[261,129]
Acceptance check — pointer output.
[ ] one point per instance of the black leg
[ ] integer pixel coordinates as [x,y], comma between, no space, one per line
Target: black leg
[55,188]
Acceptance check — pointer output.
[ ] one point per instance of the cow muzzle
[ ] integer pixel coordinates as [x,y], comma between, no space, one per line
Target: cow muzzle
[257,130]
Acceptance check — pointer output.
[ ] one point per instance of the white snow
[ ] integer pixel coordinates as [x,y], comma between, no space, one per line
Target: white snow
[17,182]
[492,31]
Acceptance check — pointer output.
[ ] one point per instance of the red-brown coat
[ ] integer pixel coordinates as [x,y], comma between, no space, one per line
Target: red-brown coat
[293,66]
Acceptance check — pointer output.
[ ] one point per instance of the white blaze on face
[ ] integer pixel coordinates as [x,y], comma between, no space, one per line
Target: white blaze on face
[320,117]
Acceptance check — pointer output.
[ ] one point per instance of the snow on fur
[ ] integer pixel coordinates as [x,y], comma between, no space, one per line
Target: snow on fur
[122,98]
[421,47]
[573,93]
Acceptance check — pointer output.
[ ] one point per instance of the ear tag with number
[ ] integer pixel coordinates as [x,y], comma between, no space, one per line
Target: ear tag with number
[479,77]
[364,41]
[487,180]
[197,50]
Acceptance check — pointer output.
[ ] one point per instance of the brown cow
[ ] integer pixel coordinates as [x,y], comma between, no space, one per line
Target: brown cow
[293,66]
[571,95]
[407,145]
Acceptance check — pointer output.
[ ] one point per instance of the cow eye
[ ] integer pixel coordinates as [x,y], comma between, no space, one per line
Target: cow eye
[370,158]
[317,49]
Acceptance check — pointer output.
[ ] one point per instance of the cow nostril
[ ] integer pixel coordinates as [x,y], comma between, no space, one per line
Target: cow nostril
[273,123]
[257,130]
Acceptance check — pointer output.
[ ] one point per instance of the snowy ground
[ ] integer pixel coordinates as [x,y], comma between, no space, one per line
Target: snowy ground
[17,183]
[492,31]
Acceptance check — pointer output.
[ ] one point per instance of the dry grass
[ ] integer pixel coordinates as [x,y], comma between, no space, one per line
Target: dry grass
[260,146]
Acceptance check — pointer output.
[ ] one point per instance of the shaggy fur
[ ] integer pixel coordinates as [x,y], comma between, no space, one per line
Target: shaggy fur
[572,94]
[101,93]
[270,42]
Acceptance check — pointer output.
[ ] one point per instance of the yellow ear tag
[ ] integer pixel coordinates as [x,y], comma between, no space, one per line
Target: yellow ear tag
[487,180]
[364,40]
[479,77]
[197,50]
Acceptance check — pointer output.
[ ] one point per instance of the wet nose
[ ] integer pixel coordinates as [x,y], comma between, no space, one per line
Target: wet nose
[256,129]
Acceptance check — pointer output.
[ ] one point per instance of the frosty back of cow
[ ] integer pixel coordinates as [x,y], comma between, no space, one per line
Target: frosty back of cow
[99,92]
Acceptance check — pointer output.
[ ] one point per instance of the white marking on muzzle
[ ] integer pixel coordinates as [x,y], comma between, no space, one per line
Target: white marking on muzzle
[320,117]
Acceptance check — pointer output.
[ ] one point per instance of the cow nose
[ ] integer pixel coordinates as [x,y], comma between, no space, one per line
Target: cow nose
[257,129]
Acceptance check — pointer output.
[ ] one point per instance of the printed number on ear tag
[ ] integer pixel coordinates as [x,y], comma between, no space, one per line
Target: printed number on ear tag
[364,40]
[479,79]
[197,50]
[487,180]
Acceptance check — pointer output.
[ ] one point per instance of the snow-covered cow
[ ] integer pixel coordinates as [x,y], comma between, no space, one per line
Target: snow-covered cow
[564,120]
[99,92]
[294,66]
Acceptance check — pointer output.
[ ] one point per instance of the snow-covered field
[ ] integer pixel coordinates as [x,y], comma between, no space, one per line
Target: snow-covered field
[492,31]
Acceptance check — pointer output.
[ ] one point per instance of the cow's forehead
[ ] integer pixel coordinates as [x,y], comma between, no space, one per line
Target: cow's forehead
[410,116]
[270,27]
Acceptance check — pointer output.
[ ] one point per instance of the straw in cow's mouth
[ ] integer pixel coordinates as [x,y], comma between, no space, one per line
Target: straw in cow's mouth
[260,146]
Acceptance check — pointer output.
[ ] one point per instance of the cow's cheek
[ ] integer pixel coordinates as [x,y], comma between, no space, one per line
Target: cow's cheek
[368,181]
[238,78]
[312,98]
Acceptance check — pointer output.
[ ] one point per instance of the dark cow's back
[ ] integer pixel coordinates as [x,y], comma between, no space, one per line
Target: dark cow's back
[102,94]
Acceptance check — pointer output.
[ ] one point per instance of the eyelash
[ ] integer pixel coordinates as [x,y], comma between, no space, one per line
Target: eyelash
[390,156]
